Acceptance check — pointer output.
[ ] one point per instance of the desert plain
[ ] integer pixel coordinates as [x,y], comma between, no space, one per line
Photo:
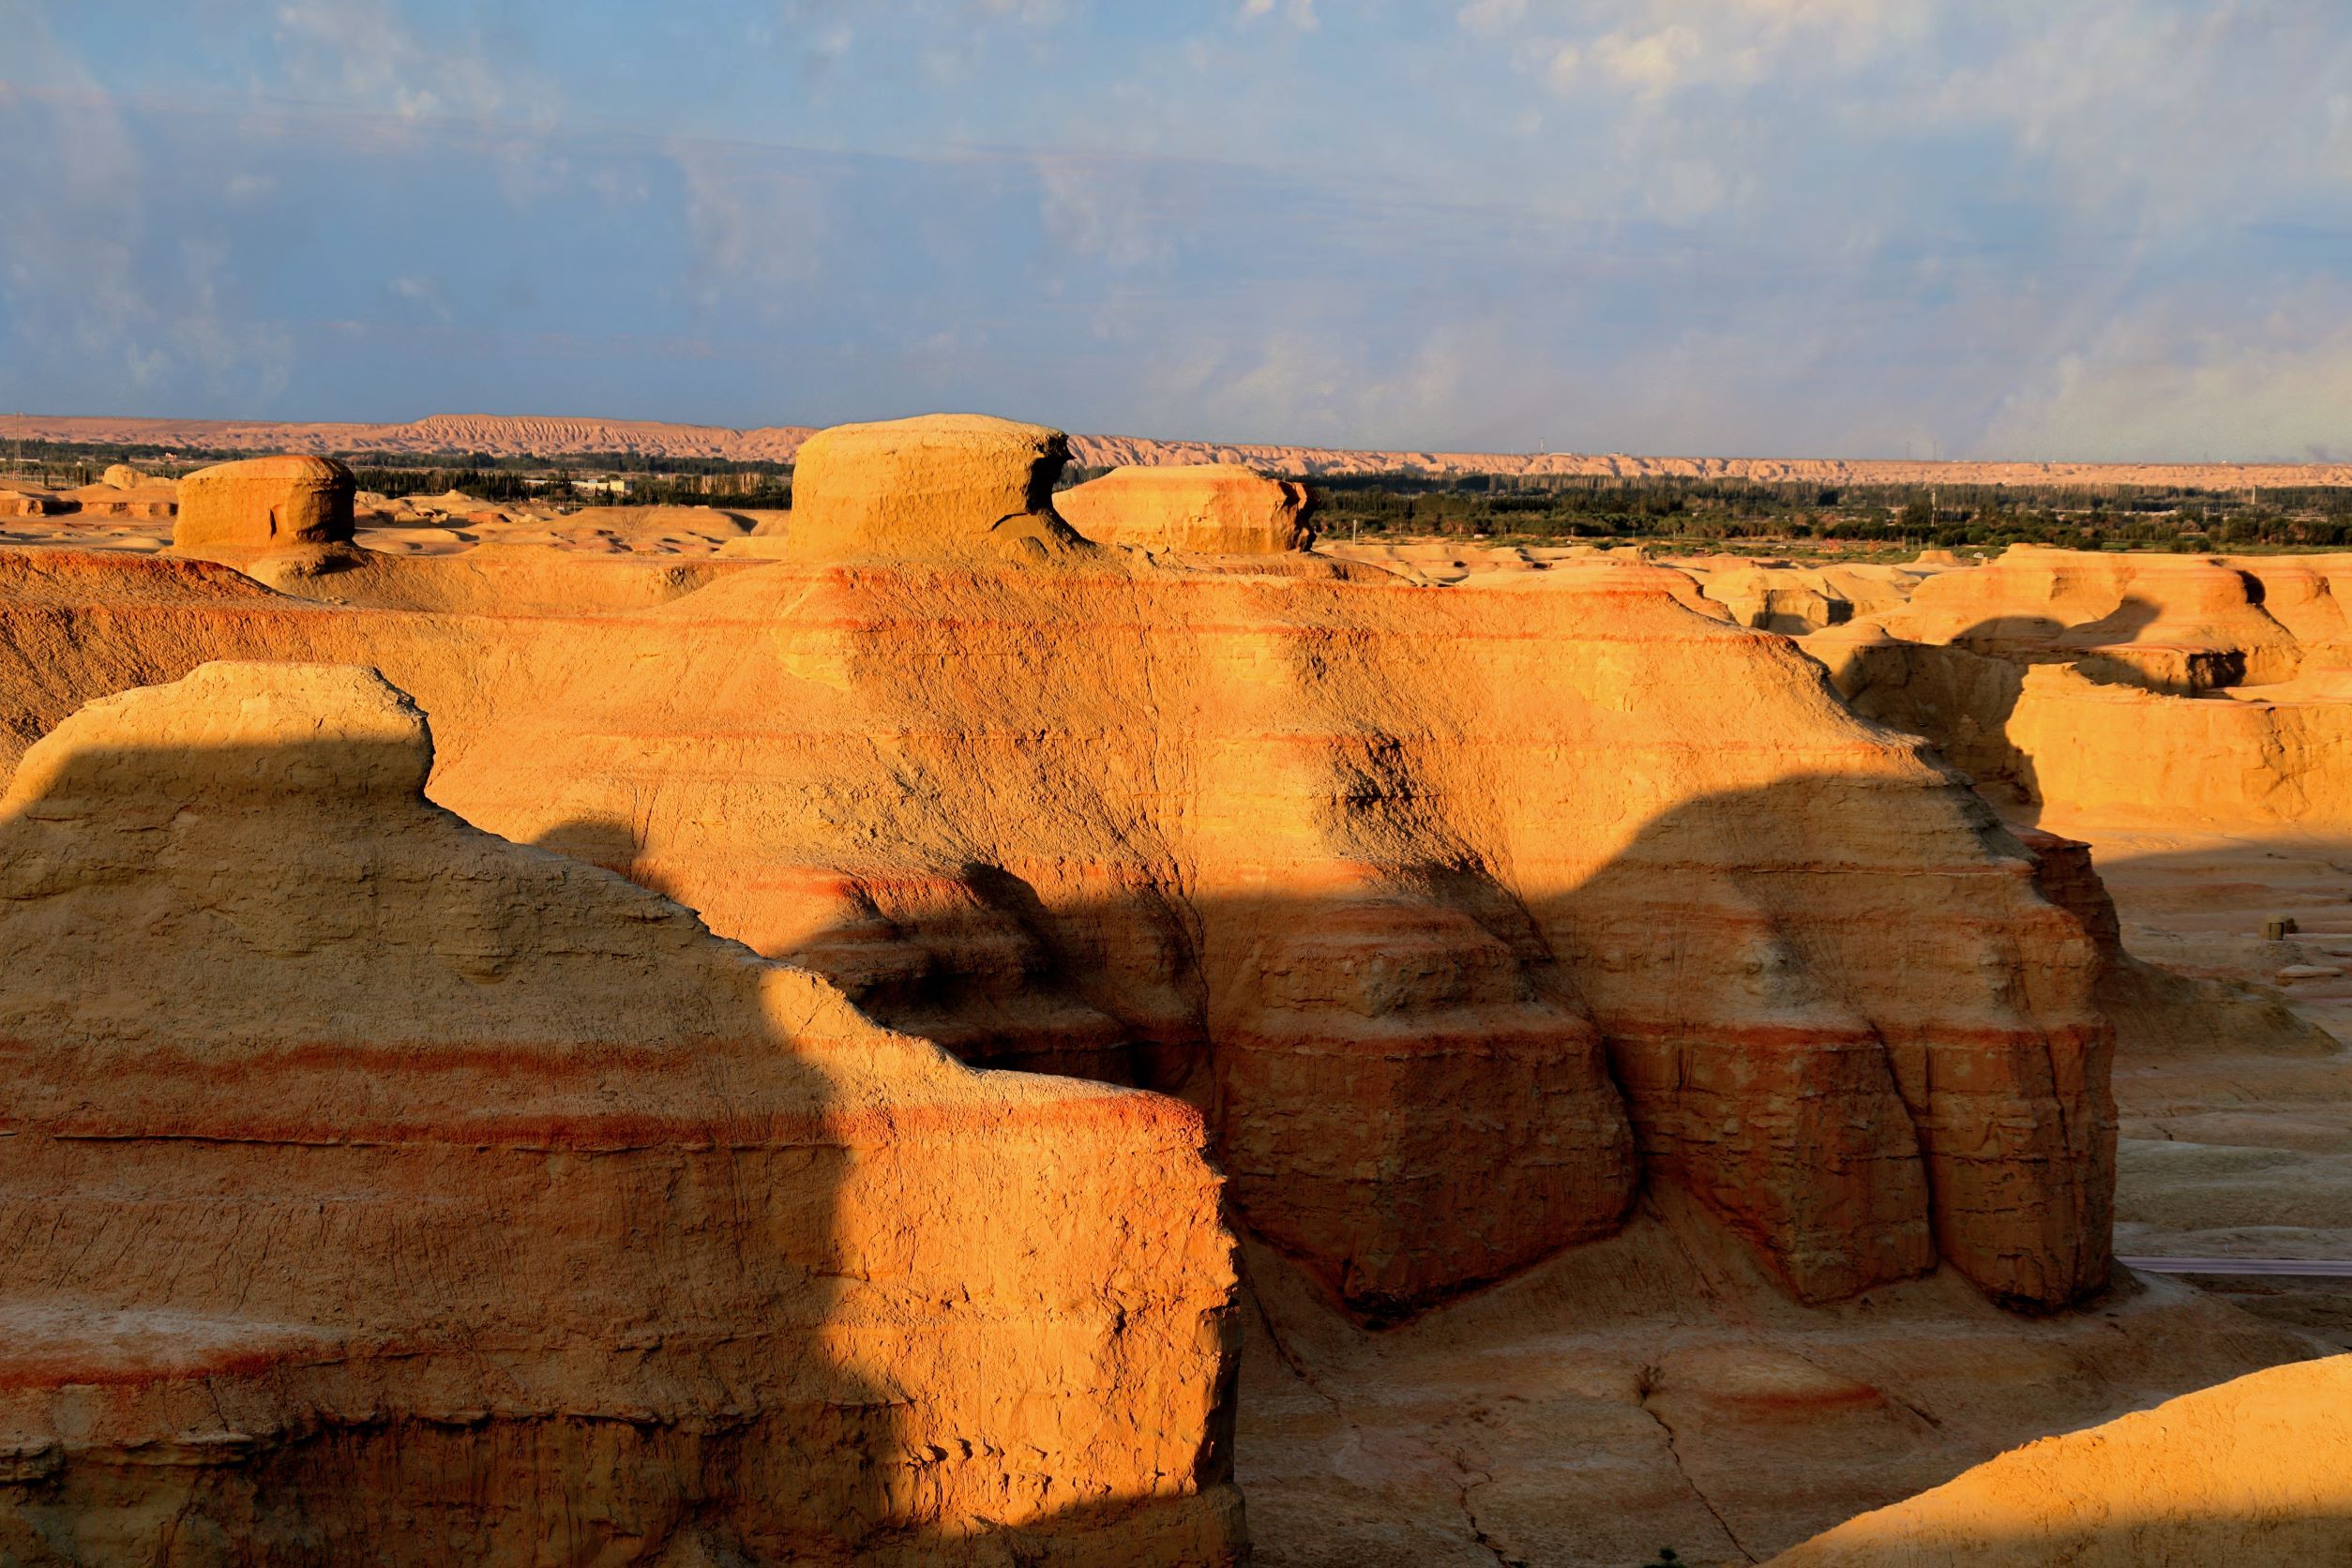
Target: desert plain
[978,1021]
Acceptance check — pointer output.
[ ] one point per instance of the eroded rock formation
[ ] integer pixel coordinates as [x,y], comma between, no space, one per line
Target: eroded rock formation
[949,484]
[1200,509]
[378,1190]
[2148,687]
[264,503]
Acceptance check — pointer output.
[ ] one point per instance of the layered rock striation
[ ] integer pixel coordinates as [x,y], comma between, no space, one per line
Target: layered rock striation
[1429,900]
[380,1191]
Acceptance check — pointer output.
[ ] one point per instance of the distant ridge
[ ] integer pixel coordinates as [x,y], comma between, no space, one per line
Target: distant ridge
[519,435]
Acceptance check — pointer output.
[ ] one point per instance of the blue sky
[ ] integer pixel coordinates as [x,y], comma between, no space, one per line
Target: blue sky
[2110,229]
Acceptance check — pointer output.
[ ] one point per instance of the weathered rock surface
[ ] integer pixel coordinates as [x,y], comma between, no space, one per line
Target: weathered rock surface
[2256,1470]
[490,579]
[1654,1388]
[941,485]
[378,1191]
[2181,623]
[1797,599]
[1204,509]
[264,503]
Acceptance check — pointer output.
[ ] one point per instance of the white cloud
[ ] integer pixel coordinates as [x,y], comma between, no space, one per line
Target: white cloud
[759,226]
[1098,208]
[1651,63]
[2185,375]
[1299,14]
[364,53]
[1492,17]
[1560,71]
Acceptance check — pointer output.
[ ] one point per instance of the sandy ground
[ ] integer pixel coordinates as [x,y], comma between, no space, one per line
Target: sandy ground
[1642,1393]
[2226,1154]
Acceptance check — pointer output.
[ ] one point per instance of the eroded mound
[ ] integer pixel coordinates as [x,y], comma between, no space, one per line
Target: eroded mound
[1202,509]
[942,484]
[382,1191]
[264,503]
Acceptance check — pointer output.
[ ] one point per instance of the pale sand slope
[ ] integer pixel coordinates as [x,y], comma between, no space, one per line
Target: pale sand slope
[508,435]
[2256,1470]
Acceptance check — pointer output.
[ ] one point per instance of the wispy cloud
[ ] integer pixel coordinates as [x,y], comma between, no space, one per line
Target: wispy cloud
[1761,226]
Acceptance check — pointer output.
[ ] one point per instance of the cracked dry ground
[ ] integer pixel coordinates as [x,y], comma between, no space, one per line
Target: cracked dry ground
[1656,1391]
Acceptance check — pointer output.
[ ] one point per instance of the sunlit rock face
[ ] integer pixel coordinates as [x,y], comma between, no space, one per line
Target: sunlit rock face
[382,1191]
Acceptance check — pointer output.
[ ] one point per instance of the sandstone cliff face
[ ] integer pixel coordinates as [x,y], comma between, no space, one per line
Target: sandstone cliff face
[377,1190]
[1455,912]
[2256,1470]
[1202,509]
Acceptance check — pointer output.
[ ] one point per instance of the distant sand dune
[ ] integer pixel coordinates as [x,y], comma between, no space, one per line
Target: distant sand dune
[505,435]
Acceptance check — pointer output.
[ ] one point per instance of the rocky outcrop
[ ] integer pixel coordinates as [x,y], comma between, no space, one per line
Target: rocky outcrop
[2156,1012]
[264,503]
[2179,623]
[1798,599]
[2145,688]
[1258,851]
[2255,1471]
[946,484]
[1202,509]
[1247,839]
[382,1191]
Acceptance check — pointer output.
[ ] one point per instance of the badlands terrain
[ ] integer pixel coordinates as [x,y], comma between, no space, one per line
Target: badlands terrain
[969,1024]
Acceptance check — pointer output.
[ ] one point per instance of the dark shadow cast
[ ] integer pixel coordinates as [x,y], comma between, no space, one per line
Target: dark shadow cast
[1418,1087]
